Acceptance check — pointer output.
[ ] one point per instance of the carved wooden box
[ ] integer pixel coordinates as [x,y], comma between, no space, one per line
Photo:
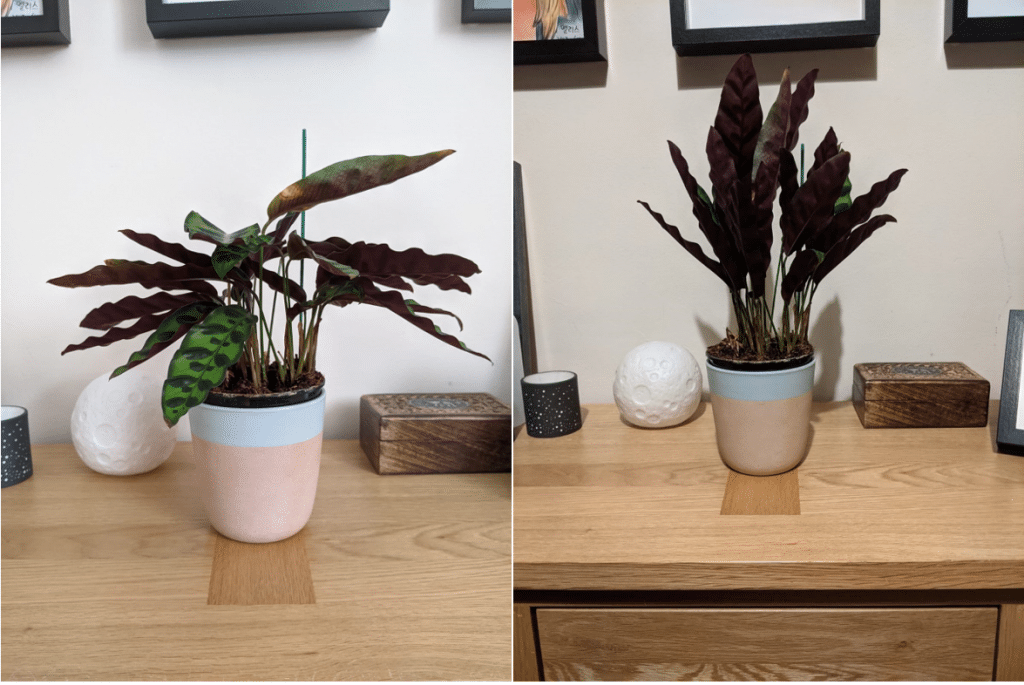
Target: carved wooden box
[435,433]
[919,395]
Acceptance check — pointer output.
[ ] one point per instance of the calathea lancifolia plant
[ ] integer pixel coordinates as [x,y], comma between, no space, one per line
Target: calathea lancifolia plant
[225,306]
[820,225]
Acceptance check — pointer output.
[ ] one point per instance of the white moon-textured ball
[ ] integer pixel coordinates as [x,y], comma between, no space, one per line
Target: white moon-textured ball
[658,384]
[117,426]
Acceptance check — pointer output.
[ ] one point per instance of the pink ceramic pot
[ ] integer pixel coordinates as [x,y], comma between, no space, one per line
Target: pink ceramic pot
[258,468]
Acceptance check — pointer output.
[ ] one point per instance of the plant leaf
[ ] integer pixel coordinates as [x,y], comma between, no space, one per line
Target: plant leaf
[851,242]
[132,307]
[798,109]
[826,150]
[121,271]
[384,265]
[738,120]
[858,213]
[347,178]
[773,132]
[177,252]
[300,249]
[143,325]
[209,348]
[393,301]
[729,254]
[799,273]
[199,228]
[169,330]
[691,247]
[227,257]
[811,207]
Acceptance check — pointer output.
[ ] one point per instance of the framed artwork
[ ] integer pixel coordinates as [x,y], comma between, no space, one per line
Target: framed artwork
[1010,436]
[486,11]
[549,31]
[522,305]
[977,21]
[726,27]
[35,22]
[186,18]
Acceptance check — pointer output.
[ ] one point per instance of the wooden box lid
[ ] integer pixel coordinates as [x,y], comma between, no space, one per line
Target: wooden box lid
[919,394]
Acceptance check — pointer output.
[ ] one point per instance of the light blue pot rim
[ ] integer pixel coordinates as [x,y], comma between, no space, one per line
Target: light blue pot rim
[761,386]
[262,427]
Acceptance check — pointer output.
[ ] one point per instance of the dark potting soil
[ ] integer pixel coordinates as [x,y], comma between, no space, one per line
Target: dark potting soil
[731,350]
[236,384]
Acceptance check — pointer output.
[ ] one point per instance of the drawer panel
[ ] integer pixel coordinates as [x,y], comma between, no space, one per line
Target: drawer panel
[769,644]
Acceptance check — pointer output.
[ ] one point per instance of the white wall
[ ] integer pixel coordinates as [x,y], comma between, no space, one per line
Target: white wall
[119,130]
[936,286]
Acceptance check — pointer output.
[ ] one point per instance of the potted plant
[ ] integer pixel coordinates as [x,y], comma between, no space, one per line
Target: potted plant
[246,364]
[761,377]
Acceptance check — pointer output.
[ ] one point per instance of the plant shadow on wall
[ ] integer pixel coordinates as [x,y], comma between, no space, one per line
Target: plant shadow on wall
[762,376]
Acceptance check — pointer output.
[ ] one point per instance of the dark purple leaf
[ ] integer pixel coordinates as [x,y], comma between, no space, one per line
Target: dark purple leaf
[851,242]
[798,272]
[812,205]
[858,212]
[739,117]
[826,150]
[798,107]
[175,251]
[143,325]
[132,307]
[691,247]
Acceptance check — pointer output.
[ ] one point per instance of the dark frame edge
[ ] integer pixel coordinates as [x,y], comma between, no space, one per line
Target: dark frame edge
[1009,438]
[471,15]
[959,28]
[53,27]
[858,33]
[244,17]
[591,48]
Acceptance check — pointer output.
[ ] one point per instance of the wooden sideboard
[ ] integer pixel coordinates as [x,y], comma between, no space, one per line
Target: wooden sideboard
[888,554]
[393,578]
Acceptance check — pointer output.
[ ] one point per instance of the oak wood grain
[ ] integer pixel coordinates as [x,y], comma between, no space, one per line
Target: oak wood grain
[730,644]
[762,495]
[109,578]
[1010,665]
[524,655]
[274,573]
[615,507]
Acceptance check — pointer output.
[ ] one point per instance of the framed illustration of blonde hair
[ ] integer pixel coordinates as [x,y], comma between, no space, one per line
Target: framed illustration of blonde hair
[550,31]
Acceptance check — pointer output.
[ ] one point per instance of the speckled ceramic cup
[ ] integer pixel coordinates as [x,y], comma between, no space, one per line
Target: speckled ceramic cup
[552,403]
[17,448]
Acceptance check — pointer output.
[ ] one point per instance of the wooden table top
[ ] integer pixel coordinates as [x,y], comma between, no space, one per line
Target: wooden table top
[614,507]
[122,578]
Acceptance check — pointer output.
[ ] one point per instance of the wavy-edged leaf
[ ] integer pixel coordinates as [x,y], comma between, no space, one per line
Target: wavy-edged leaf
[384,265]
[227,257]
[845,201]
[851,242]
[207,351]
[729,254]
[300,249]
[826,150]
[812,205]
[144,325]
[199,228]
[169,330]
[798,109]
[691,247]
[178,253]
[858,213]
[132,307]
[348,178]
[418,308]
[738,120]
[393,301]
[148,275]
[772,136]
[798,273]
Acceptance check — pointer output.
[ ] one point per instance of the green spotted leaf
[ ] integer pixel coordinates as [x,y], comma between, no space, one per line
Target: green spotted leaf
[172,328]
[200,364]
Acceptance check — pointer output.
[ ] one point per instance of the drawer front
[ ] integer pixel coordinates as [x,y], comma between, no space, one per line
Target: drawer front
[770,644]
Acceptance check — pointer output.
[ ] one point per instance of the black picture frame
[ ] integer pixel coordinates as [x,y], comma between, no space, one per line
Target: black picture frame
[592,47]
[861,33]
[1010,438]
[471,14]
[239,17]
[959,28]
[522,301]
[52,27]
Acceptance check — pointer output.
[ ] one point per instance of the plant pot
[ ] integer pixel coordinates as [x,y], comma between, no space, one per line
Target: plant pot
[762,418]
[258,466]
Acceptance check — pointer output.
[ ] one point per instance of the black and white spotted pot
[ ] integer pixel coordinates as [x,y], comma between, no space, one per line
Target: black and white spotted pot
[552,404]
[16,449]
